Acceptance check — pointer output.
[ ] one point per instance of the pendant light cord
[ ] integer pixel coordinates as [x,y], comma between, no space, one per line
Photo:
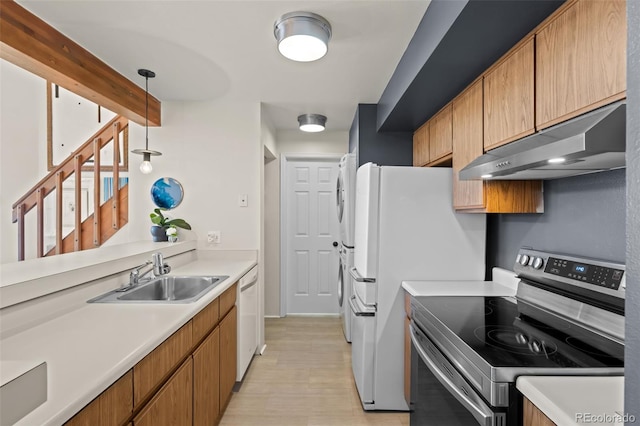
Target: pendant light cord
[146,112]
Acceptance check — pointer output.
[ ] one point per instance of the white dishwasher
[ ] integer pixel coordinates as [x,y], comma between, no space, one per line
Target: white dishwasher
[247,320]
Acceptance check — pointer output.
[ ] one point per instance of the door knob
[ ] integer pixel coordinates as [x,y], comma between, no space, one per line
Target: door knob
[335,244]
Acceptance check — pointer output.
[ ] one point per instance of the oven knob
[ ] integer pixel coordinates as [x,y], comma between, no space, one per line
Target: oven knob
[524,260]
[536,346]
[537,263]
[522,339]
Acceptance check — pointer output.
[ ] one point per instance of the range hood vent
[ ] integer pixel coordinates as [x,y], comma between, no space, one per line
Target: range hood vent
[590,143]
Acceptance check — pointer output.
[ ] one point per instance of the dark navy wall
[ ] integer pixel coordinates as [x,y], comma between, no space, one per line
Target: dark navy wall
[453,44]
[632,311]
[584,215]
[383,148]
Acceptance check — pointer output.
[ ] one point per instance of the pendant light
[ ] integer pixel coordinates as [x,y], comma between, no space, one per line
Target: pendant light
[145,166]
[302,36]
[312,122]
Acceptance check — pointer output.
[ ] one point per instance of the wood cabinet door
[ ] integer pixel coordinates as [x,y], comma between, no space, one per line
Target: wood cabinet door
[440,134]
[467,146]
[407,361]
[421,145]
[532,416]
[509,98]
[173,404]
[581,60]
[206,381]
[228,355]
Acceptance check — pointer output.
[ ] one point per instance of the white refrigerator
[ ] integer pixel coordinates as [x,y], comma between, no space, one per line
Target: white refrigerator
[405,229]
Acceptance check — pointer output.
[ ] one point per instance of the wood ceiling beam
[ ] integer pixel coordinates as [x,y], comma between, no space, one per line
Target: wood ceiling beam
[30,43]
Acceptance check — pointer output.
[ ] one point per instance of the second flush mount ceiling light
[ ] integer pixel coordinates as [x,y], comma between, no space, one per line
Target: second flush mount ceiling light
[302,36]
[312,122]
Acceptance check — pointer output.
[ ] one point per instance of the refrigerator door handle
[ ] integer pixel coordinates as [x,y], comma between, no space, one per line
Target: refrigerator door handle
[356,276]
[357,312]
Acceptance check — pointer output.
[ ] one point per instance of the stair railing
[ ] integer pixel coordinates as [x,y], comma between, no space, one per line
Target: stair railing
[74,164]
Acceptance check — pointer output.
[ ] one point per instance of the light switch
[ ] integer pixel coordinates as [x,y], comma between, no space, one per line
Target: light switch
[243,200]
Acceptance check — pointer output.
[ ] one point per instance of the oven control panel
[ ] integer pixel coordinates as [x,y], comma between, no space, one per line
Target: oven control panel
[593,274]
[602,276]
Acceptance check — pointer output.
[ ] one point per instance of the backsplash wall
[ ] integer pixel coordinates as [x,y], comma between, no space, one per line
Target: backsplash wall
[584,215]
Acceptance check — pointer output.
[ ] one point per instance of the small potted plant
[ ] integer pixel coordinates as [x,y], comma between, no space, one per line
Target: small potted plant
[172,233]
[162,223]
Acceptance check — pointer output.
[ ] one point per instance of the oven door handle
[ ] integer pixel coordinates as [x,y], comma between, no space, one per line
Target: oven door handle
[478,409]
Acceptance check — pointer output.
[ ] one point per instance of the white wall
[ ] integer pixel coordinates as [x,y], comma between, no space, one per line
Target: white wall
[271,220]
[213,149]
[288,142]
[297,142]
[23,138]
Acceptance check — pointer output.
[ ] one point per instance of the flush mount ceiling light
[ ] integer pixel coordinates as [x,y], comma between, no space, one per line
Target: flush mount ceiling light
[145,166]
[312,122]
[558,160]
[302,36]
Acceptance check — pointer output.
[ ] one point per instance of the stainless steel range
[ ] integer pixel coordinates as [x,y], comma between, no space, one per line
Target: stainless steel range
[566,319]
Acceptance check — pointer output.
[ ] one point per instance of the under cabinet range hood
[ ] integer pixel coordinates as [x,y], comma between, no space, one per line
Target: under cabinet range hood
[592,142]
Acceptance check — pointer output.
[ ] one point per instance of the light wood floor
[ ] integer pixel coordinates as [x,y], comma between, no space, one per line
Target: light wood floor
[303,378]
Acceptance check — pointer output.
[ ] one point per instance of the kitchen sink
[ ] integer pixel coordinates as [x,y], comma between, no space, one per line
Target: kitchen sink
[164,289]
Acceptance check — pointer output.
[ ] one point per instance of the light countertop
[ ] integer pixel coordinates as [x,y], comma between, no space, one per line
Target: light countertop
[89,348]
[504,284]
[579,400]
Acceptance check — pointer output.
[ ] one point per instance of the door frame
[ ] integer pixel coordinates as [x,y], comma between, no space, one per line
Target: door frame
[284,161]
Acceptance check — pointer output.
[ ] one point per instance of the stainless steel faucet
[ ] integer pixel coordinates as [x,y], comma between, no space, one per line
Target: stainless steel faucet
[159,268]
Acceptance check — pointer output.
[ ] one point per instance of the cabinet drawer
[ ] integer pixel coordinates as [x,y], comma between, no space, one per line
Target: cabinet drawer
[154,368]
[112,408]
[228,299]
[205,321]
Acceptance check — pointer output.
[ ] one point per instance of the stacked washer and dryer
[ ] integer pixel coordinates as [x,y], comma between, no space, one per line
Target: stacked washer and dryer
[346,203]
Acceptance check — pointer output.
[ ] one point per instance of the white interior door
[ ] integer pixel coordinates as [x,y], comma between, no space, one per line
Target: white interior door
[311,227]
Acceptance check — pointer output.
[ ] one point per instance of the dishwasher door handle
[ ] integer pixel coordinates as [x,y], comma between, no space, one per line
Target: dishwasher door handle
[248,285]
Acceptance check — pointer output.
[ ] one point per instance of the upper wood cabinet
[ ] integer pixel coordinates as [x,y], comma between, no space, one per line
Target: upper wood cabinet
[580,60]
[421,145]
[467,146]
[440,134]
[509,97]
[484,196]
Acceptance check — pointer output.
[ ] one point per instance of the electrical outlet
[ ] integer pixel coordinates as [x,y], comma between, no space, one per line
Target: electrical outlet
[213,237]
